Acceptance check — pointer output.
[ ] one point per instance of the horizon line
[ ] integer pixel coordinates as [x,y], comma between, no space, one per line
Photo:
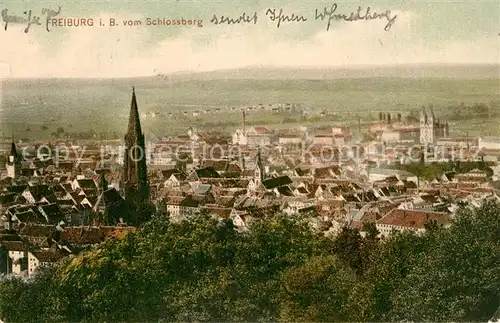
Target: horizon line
[270,67]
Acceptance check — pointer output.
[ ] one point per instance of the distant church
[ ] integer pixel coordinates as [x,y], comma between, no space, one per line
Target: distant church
[13,162]
[135,172]
[431,129]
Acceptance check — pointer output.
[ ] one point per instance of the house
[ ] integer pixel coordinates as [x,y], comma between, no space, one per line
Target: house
[43,258]
[28,168]
[26,214]
[378,174]
[175,180]
[217,212]
[298,206]
[203,173]
[85,236]
[111,205]
[390,136]
[259,136]
[84,184]
[12,254]
[223,167]
[327,172]
[289,139]
[181,207]
[254,136]
[36,234]
[34,194]
[241,220]
[52,213]
[219,166]
[327,140]
[475,175]
[412,220]
[489,143]
[280,186]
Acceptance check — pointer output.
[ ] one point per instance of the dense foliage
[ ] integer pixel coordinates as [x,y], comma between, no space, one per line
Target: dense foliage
[204,270]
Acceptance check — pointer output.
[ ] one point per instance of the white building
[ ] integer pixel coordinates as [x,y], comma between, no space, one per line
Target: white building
[17,256]
[491,143]
[289,139]
[390,136]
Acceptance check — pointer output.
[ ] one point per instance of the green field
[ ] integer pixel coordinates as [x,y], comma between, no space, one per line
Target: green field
[36,108]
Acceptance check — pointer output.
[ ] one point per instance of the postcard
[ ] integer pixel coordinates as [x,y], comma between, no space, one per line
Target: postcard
[257,160]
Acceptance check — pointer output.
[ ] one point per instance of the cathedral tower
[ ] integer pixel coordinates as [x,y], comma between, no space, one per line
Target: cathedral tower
[13,162]
[135,173]
[427,126]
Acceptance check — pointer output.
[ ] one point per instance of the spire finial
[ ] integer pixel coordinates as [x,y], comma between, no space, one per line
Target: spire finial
[133,89]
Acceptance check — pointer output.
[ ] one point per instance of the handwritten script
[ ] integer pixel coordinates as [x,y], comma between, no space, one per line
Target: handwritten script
[280,16]
[328,14]
[244,18]
[28,18]
[361,14]
[277,16]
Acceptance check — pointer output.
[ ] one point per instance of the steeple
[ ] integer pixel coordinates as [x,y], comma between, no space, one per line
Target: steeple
[103,183]
[134,123]
[423,116]
[259,159]
[13,162]
[259,169]
[243,125]
[135,173]
[13,150]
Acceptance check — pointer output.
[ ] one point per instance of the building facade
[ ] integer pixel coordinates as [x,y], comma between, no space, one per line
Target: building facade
[431,129]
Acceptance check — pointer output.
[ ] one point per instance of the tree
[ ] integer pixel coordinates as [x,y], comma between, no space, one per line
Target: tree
[459,277]
[370,298]
[203,269]
[316,291]
[347,246]
[28,301]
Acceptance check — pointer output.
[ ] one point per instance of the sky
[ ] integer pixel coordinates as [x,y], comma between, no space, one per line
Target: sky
[438,31]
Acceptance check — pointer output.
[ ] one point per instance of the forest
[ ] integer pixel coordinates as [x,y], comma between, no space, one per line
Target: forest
[203,269]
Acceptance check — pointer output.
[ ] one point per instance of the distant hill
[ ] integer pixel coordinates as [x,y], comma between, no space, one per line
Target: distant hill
[329,73]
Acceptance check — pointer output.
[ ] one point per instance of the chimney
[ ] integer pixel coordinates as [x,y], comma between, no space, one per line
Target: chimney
[243,130]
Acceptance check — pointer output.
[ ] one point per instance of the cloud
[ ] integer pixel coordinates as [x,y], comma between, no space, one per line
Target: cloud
[127,51]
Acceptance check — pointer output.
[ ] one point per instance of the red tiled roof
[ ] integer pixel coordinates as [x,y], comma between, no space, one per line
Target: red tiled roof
[13,245]
[413,219]
[261,130]
[221,212]
[47,256]
[91,235]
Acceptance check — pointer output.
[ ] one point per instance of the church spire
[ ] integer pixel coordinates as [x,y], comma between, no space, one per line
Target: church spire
[13,150]
[134,123]
[14,161]
[259,158]
[135,173]
[103,183]
[259,170]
